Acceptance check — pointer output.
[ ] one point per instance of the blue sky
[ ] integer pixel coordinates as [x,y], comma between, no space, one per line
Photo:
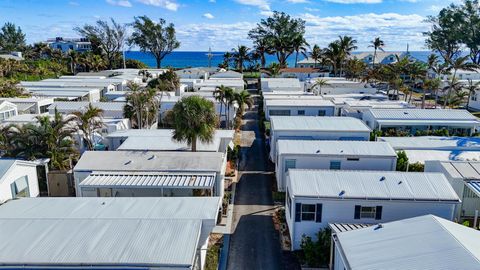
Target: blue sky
[223,24]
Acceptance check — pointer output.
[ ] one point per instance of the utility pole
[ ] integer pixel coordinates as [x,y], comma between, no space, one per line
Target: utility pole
[210,56]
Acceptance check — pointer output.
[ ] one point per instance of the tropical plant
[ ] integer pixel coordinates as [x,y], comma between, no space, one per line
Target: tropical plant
[316,54]
[316,253]
[243,99]
[10,89]
[433,85]
[376,44]
[472,88]
[89,122]
[240,55]
[279,33]
[229,97]
[142,106]
[355,68]
[454,65]
[333,55]
[219,95]
[108,38]
[166,82]
[11,38]
[260,47]
[159,39]
[347,46]
[300,46]
[227,58]
[194,119]
[73,57]
[319,83]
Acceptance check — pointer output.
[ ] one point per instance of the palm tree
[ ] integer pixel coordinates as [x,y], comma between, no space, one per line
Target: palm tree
[472,87]
[460,63]
[347,46]
[73,57]
[376,44]
[316,54]
[240,55]
[273,70]
[261,49]
[219,95]
[229,99]
[142,106]
[194,118]
[333,54]
[89,122]
[227,57]
[319,83]
[243,98]
[300,45]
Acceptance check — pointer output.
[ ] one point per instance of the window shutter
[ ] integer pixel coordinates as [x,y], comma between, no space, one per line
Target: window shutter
[378,213]
[357,212]
[298,212]
[318,214]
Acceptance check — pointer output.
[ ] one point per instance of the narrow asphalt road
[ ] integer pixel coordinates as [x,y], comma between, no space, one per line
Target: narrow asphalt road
[254,243]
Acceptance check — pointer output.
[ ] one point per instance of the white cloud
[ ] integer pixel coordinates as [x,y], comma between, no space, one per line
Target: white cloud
[208,16]
[121,3]
[212,1]
[355,1]
[298,1]
[263,5]
[73,3]
[312,9]
[167,4]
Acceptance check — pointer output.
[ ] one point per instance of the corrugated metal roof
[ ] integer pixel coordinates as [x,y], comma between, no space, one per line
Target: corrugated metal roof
[312,123]
[299,102]
[422,114]
[135,161]
[344,148]
[433,142]
[220,133]
[420,243]
[461,169]
[148,180]
[442,155]
[82,105]
[474,186]
[363,185]
[114,242]
[345,227]
[166,144]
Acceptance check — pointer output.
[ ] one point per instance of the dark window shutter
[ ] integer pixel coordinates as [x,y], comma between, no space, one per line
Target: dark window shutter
[318,214]
[357,212]
[298,212]
[378,213]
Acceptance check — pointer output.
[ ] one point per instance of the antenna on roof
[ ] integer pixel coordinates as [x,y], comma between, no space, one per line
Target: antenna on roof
[210,56]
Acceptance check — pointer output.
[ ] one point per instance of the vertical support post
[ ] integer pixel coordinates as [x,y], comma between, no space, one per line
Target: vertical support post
[475,219]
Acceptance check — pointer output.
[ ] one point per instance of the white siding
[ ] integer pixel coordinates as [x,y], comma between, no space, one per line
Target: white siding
[15,172]
[308,111]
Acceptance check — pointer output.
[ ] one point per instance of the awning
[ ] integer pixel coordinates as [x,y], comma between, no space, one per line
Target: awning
[148,180]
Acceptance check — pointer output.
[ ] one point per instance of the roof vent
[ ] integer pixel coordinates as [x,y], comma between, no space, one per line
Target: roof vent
[103,203]
[128,162]
[318,152]
[379,226]
[400,182]
[382,178]
[341,193]
[405,112]
[152,157]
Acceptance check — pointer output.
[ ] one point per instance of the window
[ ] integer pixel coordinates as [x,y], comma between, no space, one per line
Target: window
[353,159]
[474,98]
[279,112]
[290,164]
[335,165]
[301,112]
[322,112]
[308,212]
[20,188]
[368,212]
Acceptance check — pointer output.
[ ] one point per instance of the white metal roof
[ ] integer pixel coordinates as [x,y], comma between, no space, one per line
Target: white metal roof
[220,133]
[157,143]
[99,242]
[296,102]
[78,106]
[135,161]
[148,180]
[433,142]
[467,170]
[420,243]
[423,114]
[442,155]
[371,185]
[323,123]
[386,104]
[342,148]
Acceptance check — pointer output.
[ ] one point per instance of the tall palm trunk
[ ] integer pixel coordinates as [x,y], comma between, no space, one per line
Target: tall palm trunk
[194,143]
[374,57]
[296,58]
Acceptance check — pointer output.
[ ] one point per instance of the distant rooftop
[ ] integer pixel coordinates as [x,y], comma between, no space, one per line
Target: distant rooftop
[354,148]
[433,142]
[365,185]
[83,105]
[297,102]
[157,143]
[468,170]
[318,123]
[422,114]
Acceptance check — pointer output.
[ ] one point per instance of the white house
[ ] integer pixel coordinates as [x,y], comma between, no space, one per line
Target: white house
[212,84]
[30,105]
[423,148]
[226,74]
[70,44]
[315,128]
[315,198]
[18,178]
[340,86]
[149,174]
[113,110]
[383,58]
[113,233]
[356,108]
[333,155]
[303,73]
[7,110]
[281,85]
[457,122]
[299,107]
[417,243]
[464,176]
[474,103]
[69,93]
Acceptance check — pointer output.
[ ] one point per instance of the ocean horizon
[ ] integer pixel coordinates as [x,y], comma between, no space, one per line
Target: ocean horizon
[184,59]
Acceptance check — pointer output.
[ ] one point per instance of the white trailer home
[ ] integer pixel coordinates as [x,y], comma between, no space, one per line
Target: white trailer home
[107,233]
[457,122]
[30,105]
[149,174]
[69,93]
[315,198]
[315,128]
[7,110]
[18,178]
[333,155]
[298,107]
[418,243]
[464,176]
[113,110]
[281,85]
[356,108]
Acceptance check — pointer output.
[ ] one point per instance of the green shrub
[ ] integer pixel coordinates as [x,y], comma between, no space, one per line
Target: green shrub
[316,253]
[213,254]
[402,161]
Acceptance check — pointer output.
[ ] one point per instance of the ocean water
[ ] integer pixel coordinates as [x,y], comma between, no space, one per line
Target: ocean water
[179,59]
